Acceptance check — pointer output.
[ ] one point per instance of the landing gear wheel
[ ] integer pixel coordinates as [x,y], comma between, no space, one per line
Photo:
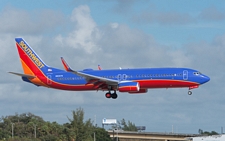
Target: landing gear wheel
[189,92]
[108,95]
[114,95]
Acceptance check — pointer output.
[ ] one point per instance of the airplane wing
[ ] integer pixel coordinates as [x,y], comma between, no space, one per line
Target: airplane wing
[23,75]
[89,77]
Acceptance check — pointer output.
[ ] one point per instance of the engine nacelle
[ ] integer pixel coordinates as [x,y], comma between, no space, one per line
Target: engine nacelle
[128,87]
[140,91]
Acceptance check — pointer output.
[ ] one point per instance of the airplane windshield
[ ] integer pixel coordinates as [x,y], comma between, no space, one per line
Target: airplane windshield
[197,73]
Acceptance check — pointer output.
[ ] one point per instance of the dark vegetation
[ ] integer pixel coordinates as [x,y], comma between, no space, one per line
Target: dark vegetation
[125,126]
[29,127]
[200,131]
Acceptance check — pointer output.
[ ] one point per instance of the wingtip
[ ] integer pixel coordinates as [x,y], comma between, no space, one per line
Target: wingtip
[99,67]
[65,65]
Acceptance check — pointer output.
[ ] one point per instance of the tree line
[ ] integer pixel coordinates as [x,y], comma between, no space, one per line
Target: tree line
[200,131]
[29,127]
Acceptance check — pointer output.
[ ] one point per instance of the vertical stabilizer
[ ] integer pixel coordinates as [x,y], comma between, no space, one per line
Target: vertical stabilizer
[31,62]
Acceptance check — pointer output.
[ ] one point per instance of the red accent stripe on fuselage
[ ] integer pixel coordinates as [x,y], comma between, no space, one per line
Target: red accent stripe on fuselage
[128,89]
[164,83]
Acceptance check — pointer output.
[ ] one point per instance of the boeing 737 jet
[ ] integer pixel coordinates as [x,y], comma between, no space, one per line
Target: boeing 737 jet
[132,81]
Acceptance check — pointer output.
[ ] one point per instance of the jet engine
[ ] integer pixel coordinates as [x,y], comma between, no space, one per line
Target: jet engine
[128,87]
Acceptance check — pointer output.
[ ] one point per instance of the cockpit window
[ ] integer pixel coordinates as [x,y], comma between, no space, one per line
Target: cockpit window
[197,73]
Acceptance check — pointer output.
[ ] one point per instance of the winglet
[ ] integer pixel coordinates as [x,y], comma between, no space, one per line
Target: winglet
[66,66]
[99,67]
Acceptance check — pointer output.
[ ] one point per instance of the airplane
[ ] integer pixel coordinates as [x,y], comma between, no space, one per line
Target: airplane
[132,81]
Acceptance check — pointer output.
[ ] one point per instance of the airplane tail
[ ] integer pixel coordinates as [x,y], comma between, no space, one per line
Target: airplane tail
[31,62]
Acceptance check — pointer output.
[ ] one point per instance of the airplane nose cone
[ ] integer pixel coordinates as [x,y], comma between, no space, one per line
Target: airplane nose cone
[205,78]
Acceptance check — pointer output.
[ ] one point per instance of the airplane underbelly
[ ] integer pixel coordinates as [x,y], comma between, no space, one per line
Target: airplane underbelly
[74,87]
[165,83]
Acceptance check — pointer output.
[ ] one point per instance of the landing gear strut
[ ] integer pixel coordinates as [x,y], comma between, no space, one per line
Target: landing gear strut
[113,95]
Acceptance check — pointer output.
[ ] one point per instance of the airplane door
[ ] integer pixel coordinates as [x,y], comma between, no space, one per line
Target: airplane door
[185,75]
[121,77]
[124,76]
[49,78]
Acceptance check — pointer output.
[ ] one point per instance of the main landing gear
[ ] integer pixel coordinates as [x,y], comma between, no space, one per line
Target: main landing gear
[111,95]
[189,92]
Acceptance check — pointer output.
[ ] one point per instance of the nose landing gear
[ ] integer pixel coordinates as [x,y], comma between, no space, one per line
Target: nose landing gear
[189,92]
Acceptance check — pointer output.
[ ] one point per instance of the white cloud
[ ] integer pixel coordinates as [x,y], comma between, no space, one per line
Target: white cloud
[123,6]
[114,25]
[164,18]
[152,16]
[212,14]
[85,32]
[17,21]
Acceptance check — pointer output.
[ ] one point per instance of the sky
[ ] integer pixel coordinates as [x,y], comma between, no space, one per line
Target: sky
[118,33]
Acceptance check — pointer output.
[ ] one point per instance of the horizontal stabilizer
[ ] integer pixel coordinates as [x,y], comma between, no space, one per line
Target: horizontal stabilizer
[23,75]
